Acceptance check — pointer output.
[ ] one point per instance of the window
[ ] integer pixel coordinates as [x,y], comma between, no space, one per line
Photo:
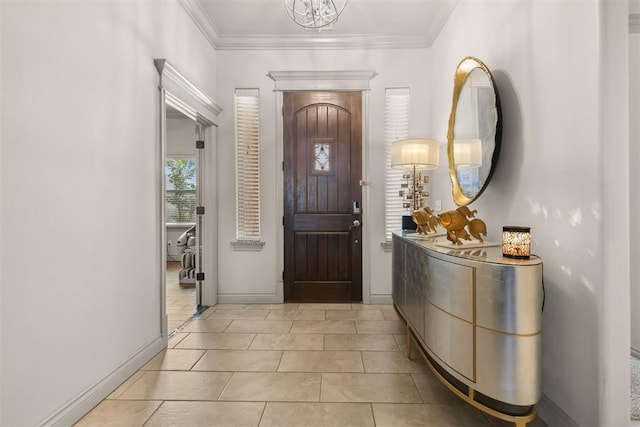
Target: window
[247,111]
[396,126]
[180,179]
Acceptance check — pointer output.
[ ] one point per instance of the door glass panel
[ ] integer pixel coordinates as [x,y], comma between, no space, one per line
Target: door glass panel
[322,158]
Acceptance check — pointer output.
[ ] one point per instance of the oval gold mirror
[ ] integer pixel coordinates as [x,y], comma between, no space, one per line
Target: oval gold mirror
[473,137]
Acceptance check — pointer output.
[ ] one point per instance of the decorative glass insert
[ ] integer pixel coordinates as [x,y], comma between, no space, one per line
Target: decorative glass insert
[322,163]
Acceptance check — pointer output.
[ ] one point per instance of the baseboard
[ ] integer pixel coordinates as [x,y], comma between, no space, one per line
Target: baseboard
[635,352]
[380,299]
[249,299]
[553,415]
[77,407]
[274,299]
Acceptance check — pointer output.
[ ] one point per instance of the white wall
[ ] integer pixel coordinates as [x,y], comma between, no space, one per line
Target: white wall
[79,183]
[248,69]
[181,136]
[551,176]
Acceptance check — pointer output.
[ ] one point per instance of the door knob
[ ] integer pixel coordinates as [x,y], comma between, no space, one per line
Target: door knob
[356,223]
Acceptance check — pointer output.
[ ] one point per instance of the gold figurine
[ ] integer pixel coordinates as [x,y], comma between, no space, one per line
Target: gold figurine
[456,221]
[426,220]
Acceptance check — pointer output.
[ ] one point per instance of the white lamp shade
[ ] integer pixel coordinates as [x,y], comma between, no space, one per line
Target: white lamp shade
[421,153]
[467,153]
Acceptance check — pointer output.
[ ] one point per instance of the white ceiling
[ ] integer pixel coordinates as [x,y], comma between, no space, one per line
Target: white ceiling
[264,24]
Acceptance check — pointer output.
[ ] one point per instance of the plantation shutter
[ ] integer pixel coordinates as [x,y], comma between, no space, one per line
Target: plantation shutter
[247,112]
[396,127]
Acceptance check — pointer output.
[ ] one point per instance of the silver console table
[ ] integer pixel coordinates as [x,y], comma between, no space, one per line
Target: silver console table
[476,317]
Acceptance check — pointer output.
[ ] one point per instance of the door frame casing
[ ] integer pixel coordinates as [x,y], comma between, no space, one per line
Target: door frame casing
[177,91]
[323,81]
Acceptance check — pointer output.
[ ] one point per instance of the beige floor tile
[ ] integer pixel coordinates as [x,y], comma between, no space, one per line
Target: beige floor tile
[401,340]
[260,326]
[391,315]
[174,324]
[181,301]
[385,307]
[236,414]
[228,307]
[323,327]
[433,391]
[278,414]
[175,385]
[278,387]
[206,325]
[239,314]
[125,385]
[496,422]
[304,376]
[392,362]
[428,415]
[206,313]
[324,306]
[119,413]
[321,361]
[363,342]
[214,341]
[380,327]
[354,315]
[288,342]
[296,315]
[180,310]
[387,388]
[175,339]
[239,361]
[285,306]
[173,360]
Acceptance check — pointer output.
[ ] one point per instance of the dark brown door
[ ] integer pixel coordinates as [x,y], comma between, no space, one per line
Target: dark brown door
[322,196]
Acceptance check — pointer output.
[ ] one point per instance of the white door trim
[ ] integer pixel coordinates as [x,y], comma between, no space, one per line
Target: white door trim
[331,81]
[178,92]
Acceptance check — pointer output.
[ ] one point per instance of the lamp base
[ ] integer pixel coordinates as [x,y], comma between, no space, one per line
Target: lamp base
[408,224]
[516,256]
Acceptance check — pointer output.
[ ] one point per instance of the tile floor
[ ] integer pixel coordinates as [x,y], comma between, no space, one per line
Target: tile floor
[287,365]
[181,301]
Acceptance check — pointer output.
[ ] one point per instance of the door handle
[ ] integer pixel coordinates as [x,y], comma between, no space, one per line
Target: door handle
[355,224]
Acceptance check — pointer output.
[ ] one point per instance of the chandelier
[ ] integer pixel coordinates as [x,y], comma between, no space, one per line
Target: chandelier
[315,14]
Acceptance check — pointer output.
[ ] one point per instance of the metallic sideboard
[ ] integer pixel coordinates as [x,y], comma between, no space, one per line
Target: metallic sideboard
[477,318]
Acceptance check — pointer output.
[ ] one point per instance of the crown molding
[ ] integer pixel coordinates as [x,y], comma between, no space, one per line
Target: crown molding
[313,41]
[184,95]
[634,22]
[441,17]
[197,15]
[320,42]
[322,80]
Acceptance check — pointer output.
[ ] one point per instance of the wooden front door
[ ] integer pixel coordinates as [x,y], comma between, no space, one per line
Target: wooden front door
[322,196]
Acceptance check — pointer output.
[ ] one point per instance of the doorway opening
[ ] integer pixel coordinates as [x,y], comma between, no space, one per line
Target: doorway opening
[181,169]
[197,112]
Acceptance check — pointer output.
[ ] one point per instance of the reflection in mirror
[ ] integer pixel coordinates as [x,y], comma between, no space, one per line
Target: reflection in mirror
[474,131]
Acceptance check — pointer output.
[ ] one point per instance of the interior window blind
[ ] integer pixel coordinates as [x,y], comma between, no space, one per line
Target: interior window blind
[396,126]
[247,112]
[180,185]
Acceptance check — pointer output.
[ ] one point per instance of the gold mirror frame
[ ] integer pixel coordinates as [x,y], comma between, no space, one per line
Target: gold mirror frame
[464,69]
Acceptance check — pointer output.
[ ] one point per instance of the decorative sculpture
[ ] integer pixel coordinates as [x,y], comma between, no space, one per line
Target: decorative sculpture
[456,221]
[425,219]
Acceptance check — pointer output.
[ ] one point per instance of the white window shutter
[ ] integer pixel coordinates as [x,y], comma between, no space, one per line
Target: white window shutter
[247,112]
[396,127]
